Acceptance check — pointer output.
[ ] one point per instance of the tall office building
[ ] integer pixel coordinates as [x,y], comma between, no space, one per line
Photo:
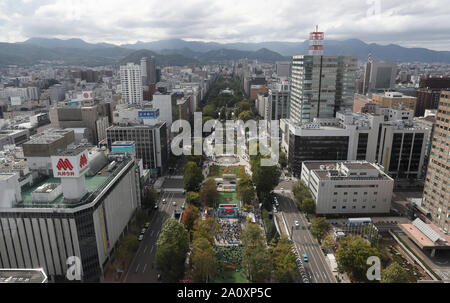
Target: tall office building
[148,70]
[436,196]
[429,92]
[321,86]
[379,76]
[131,80]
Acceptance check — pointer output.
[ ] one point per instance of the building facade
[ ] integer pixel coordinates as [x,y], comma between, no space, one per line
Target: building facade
[321,86]
[348,188]
[436,196]
[131,81]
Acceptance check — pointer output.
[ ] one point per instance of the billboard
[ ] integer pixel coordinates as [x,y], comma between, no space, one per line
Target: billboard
[70,166]
[148,114]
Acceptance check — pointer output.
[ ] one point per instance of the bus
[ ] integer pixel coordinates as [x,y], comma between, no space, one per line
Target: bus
[359,221]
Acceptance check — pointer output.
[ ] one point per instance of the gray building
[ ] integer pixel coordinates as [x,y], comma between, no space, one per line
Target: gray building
[379,76]
[151,143]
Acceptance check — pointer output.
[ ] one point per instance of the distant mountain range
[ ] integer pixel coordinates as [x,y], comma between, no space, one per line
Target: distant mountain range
[181,52]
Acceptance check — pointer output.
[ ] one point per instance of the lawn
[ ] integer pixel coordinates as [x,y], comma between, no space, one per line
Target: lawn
[218,171]
[231,277]
[228,198]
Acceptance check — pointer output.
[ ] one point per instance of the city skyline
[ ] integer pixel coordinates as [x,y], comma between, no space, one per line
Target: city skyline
[375,21]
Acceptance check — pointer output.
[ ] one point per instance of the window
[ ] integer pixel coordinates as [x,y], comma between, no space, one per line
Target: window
[353,207]
[365,193]
[355,193]
[364,206]
[335,193]
[344,207]
[373,206]
[375,193]
[334,207]
[345,193]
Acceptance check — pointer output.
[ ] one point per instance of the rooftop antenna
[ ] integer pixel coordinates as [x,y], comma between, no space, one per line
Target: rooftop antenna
[316,42]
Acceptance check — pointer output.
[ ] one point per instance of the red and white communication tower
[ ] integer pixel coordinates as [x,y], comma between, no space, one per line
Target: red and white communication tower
[316,42]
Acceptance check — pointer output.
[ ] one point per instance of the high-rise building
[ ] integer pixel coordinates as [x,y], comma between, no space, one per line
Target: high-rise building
[131,80]
[283,69]
[151,143]
[436,195]
[148,70]
[379,76]
[321,86]
[429,92]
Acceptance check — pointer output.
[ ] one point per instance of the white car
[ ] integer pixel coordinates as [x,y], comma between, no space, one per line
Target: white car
[141,237]
[174,203]
[143,231]
[164,201]
[297,224]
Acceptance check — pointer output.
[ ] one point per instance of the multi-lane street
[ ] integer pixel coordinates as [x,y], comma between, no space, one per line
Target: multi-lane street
[141,269]
[317,268]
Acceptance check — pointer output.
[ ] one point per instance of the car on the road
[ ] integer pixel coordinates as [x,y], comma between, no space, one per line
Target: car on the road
[297,224]
[156,206]
[275,209]
[182,207]
[164,201]
[305,257]
[140,237]
[158,276]
[147,224]
[143,231]
[174,203]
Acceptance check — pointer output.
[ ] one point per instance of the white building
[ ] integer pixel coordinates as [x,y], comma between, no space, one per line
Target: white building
[131,81]
[350,187]
[390,138]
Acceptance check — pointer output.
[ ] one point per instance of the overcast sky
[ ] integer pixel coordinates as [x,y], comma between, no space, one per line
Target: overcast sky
[410,23]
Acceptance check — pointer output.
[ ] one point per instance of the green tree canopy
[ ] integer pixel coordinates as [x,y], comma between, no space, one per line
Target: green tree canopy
[319,228]
[352,256]
[204,262]
[193,197]
[246,115]
[301,192]
[308,206]
[394,273]
[208,192]
[284,261]
[172,247]
[207,228]
[245,189]
[256,256]
[190,215]
[193,176]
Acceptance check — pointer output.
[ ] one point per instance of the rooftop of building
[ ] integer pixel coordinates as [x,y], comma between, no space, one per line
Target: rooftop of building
[94,185]
[48,136]
[347,170]
[426,235]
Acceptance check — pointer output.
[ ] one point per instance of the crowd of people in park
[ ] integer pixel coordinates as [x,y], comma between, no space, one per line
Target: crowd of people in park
[229,256]
[231,231]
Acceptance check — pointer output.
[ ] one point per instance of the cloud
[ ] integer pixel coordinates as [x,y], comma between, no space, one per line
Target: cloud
[409,23]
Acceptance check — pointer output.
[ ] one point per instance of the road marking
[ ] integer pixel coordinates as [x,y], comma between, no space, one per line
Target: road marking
[145,266]
[145,248]
[137,267]
[151,249]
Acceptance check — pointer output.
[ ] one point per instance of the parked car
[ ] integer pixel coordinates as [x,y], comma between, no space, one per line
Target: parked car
[140,237]
[297,224]
[143,231]
[164,201]
[147,224]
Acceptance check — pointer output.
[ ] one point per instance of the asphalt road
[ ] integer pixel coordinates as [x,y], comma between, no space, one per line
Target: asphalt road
[317,267]
[140,270]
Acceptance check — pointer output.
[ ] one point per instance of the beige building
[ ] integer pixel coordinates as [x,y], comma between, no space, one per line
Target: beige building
[436,197]
[395,100]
